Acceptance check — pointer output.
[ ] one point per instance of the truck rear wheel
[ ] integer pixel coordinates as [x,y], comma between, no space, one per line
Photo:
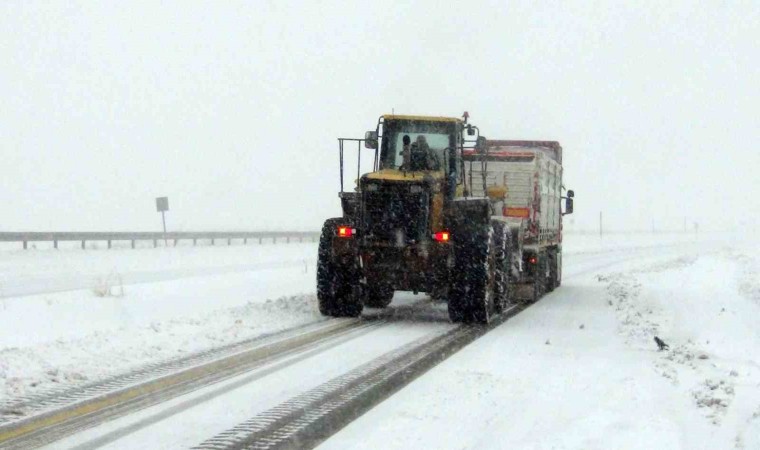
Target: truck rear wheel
[539,278]
[551,282]
[472,292]
[336,281]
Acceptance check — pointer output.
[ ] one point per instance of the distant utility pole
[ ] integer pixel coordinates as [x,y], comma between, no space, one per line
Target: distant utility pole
[600,224]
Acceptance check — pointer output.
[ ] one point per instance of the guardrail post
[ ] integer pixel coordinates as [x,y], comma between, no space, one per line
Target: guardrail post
[300,239]
[212,241]
[245,241]
[109,244]
[287,240]
[133,243]
[82,245]
[229,241]
[25,246]
[55,245]
[175,242]
[259,241]
[155,243]
[195,241]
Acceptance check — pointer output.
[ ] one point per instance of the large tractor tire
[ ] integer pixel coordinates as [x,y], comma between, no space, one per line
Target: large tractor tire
[439,293]
[441,285]
[471,297]
[502,284]
[336,280]
[378,296]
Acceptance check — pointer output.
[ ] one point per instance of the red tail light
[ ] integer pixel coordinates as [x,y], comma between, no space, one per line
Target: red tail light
[532,260]
[442,236]
[344,231]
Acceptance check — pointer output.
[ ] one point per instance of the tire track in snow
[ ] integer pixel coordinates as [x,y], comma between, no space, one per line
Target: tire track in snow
[307,419]
[115,397]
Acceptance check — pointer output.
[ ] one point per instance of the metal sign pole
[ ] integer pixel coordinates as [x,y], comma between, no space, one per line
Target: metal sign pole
[163,219]
[162,205]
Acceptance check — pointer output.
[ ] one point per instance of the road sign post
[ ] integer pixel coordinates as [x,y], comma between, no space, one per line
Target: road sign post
[162,205]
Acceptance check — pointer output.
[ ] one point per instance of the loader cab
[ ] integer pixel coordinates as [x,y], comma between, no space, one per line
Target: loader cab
[419,144]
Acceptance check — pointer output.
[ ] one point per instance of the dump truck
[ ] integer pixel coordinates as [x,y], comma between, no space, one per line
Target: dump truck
[427,217]
[531,173]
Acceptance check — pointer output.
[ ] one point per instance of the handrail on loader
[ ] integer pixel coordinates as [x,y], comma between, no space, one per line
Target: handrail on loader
[341,145]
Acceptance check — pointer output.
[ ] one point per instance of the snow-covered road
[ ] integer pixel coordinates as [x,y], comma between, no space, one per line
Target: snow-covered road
[188,420]
[579,369]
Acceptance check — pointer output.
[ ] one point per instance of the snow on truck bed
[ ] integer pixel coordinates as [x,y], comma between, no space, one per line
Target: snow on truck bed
[577,370]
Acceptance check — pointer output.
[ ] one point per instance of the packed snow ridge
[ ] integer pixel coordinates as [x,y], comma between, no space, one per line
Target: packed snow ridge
[28,370]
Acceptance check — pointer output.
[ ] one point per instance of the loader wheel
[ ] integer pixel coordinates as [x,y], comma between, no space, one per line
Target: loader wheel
[457,311]
[379,296]
[439,293]
[502,296]
[457,303]
[335,281]
[472,292]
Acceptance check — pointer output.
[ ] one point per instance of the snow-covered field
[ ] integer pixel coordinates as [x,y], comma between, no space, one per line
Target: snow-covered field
[577,370]
[162,303]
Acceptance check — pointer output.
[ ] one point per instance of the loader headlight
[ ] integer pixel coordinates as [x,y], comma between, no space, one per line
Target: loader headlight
[415,189]
[370,187]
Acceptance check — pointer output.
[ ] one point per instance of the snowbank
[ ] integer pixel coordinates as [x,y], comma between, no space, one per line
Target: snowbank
[170,302]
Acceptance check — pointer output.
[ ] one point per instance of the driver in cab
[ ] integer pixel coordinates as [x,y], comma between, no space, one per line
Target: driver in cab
[419,155]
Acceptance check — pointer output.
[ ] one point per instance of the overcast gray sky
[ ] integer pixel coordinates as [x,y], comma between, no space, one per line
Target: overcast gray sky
[232,109]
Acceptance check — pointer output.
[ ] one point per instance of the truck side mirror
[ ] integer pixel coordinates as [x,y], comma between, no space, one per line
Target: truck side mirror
[568,204]
[370,139]
[570,193]
[480,144]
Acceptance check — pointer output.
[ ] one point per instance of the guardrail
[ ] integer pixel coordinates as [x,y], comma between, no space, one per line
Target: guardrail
[213,236]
